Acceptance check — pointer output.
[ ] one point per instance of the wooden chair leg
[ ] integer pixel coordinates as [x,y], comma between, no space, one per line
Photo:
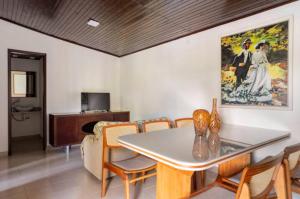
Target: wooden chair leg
[143,173]
[281,184]
[103,184]
[133,177]
[126,184]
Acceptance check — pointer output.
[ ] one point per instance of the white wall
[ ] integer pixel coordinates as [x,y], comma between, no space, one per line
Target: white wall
[169,80]
[178,77]
[71,69]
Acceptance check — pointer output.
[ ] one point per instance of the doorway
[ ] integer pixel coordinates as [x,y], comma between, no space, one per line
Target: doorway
[27,119]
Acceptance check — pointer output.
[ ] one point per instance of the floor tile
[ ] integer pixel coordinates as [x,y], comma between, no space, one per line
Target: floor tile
[37,175]
[15,193]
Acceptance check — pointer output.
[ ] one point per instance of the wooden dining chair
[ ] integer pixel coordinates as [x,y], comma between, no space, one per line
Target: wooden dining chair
[133,166]
[291,160]
[183,122]
[227,171]
[156,125]
[256,181]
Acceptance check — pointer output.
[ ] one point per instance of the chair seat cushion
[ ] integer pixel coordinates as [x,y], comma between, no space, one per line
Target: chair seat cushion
[236,178]
[296,179]
[218,192]
[215,192]
[139,162]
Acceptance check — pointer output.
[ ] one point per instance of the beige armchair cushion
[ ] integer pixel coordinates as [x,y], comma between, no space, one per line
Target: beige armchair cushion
[92,155]
[91,151]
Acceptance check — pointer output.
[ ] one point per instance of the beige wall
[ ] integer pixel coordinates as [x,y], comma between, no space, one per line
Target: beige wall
[178,77]
[71,69]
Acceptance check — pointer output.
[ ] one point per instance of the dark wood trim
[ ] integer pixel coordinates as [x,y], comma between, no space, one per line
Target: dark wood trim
[210,27]
[66,40]
[44,109]
[44,102]
[9,109]
[26,52]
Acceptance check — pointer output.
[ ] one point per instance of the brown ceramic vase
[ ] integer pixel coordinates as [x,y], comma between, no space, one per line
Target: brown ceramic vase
[215,120]
[201,120]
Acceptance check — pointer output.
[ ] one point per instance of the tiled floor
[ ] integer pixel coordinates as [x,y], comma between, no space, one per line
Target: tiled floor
[36,175]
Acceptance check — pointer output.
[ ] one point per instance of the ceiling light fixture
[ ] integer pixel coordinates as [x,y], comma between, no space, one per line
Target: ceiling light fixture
[92,22]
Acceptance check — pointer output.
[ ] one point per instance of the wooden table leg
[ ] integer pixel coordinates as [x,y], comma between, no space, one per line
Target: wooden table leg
[234,166]
[172,183]
[231,168]
[198,180]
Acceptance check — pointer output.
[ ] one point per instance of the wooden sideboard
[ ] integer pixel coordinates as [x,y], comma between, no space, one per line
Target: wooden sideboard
[66,129]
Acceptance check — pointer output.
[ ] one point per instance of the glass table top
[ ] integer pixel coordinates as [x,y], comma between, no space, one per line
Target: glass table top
[180,147]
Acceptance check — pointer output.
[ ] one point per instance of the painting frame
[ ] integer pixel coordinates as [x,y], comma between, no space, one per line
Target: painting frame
[266,23]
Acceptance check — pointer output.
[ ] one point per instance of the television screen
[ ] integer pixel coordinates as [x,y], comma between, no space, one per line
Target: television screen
[95,101]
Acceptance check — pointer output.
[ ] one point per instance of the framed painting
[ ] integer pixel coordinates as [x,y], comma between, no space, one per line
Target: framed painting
[256,67]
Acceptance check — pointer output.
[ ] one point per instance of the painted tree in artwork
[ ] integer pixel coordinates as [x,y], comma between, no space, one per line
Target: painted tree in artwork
[277,36]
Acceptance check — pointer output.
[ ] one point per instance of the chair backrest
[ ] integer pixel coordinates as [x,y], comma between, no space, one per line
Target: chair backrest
[257,181]
[112,132]
[290,162]
[292,155]
[156,125]
[183,122]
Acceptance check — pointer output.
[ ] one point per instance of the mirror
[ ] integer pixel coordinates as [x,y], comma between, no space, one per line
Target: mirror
[23,84]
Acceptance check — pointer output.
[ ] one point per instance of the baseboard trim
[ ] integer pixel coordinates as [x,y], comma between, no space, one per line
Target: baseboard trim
[51,148]
[26,137]
[3,154]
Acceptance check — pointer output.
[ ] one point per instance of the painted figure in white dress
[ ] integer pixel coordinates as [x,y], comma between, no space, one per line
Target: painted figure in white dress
[257,86]
[255,67]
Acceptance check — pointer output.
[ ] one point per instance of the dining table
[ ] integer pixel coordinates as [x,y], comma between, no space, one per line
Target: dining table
[179,153]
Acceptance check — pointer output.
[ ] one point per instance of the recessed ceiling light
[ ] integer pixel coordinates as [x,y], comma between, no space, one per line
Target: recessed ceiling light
[92,22]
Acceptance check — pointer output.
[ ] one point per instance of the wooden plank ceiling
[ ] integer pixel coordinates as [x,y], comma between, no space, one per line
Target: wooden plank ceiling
[127,26]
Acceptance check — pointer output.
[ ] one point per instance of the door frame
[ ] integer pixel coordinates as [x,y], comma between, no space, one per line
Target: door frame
[43,56]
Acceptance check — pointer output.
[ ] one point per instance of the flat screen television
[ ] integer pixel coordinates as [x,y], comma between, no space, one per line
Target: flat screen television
[95,102]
